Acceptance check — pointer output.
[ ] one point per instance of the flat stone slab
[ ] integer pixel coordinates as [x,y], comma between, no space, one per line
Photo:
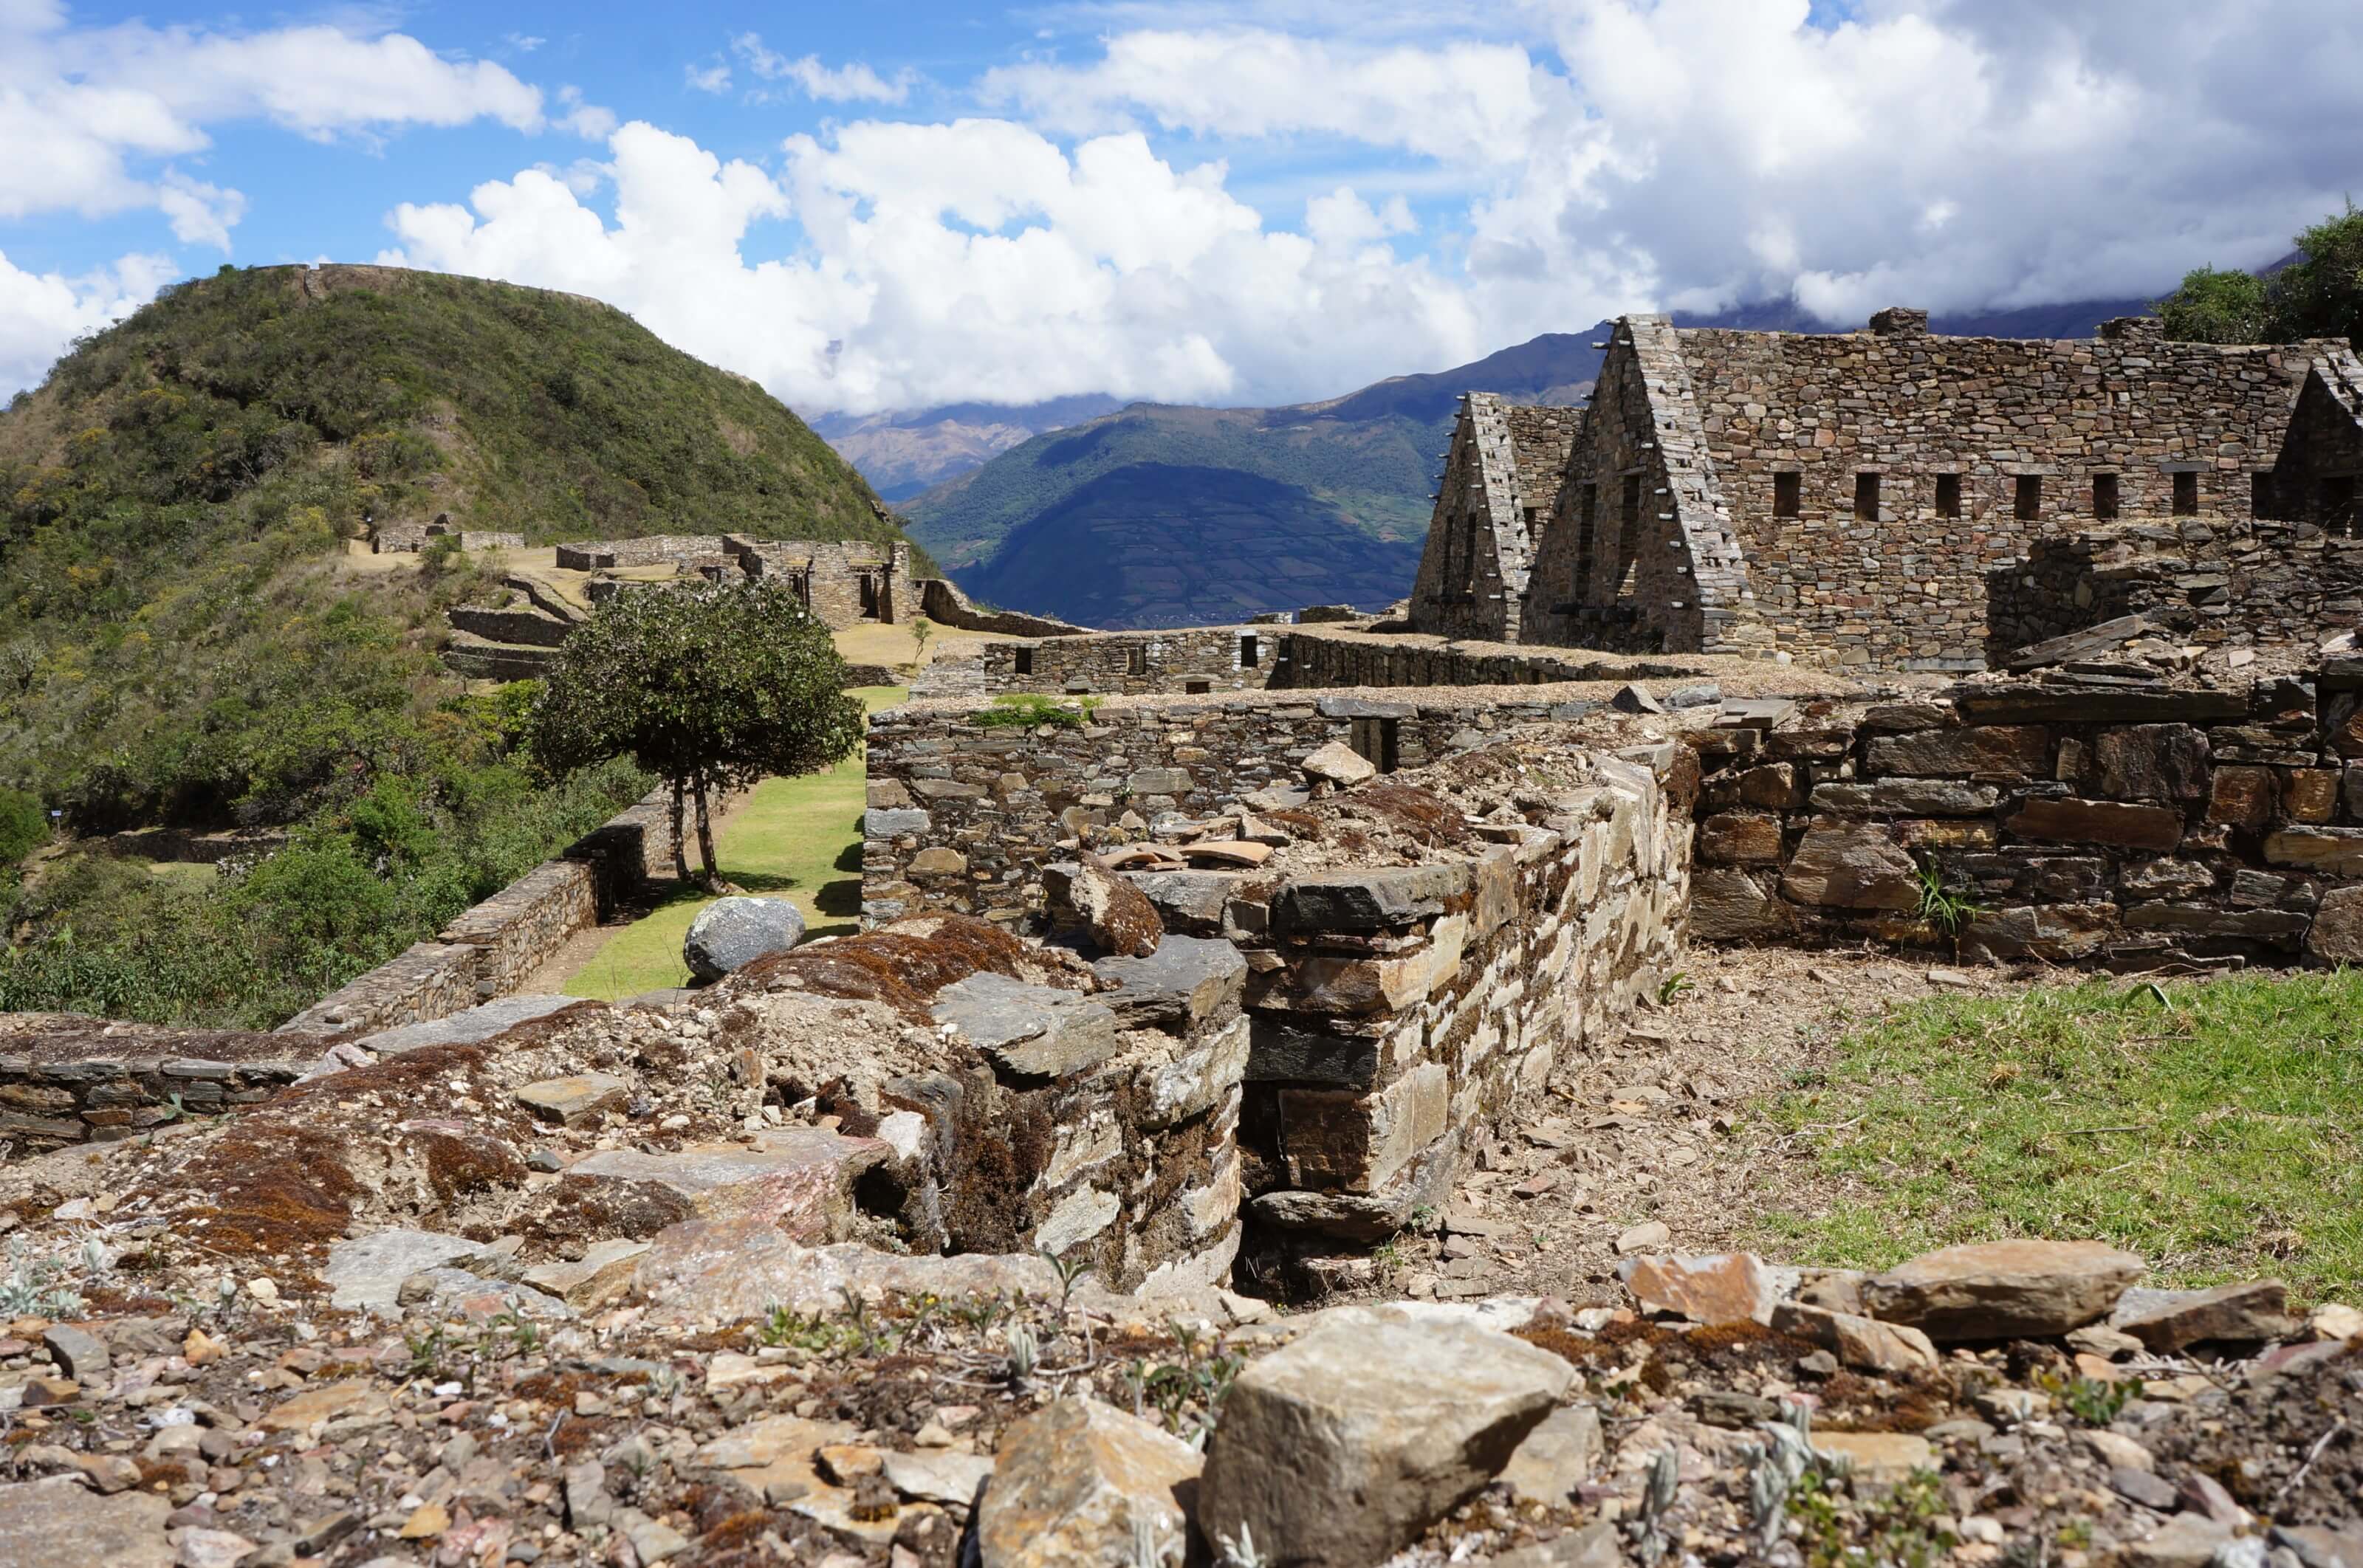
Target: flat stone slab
[1029,1030]
[61,1523]
[799,1179]
[726,1270]
[1186,981]
[366,1272]
[1080,1482]
[1996,1290]
[570,1102]
[471,1027]
[2167,1322]
[1713,1287]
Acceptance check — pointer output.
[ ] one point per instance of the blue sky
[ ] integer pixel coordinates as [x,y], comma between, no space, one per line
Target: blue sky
[898,205]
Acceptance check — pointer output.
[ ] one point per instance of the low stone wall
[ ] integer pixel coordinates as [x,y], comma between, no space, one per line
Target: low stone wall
[1197,660]
[1314,659]
[598,554]
[67,1079]
[2267,584]
[941,600]
[489,949]
[2119,824]
[964,816]
[523,625]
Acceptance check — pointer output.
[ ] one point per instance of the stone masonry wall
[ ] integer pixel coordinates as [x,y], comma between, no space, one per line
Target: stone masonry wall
[1202,658]
[67,1079]
[1904,587]
[2118,824]
[963,817]
[2268,584]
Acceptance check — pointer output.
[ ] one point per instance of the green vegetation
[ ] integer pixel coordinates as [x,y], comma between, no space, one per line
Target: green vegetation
[2209,1128]
[798,839]
[1024,710]
[24,827]
[248,947]
[2320,294]
[708,689]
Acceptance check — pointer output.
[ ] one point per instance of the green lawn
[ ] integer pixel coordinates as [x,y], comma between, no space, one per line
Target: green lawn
[2217,1132]
[795,838]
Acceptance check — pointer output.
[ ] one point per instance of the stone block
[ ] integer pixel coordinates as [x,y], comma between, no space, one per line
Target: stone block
[573,1100]
[2336,935]
[2309,794]
[1366,901]
[798,1179]
[1351,988]
[1996,1290]
[2279,928]
[2171,1321]
[2056,932]
[1848,864]
[891,823]
[1728,906]
[1907,797]
[1031,1031]
[1741,838]
[1286,1053]
[2168,879]
[1710,1288]
[1395,1423]
[1858,1341]
[2337,852]
[1339,764]
[1357,1142]
[1186,981]
[2152,762]
[1772,786]
[2069,819]
[937,861]
[1078,1483]
[1990,751]
[1191,901]
[2242,797]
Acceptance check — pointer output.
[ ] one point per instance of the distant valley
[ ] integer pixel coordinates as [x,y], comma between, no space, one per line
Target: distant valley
[1157,514]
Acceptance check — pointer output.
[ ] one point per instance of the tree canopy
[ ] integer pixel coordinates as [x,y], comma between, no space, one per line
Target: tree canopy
[709,688]
[2318,294]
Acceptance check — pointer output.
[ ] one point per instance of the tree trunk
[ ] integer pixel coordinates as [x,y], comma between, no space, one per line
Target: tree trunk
[679,852]
[705,834]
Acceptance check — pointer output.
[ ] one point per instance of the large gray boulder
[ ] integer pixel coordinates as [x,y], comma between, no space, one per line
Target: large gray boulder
[1387,1426]
[731,934]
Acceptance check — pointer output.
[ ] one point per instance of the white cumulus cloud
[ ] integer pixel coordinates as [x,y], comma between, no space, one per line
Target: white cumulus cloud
[41,312]
[852,82]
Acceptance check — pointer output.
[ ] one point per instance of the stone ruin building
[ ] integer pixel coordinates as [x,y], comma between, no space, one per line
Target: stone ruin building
[1887,499]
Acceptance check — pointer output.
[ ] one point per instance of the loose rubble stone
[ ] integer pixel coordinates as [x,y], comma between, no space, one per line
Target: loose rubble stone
[1557,1457]
[1992,1290]
[2186,1540]
[1642,1237]
[1715,1287]
[1185,981]
[366,1272]
[1339,764]
[571,1102]
[1119,916]
[731,934]
[2169,1321]
[76,1352]
[729,1270]
[1863,1343]
[1397,1424]
[938,1475]
[799,1179]
[57,1523]
[1880,1458]
[467,1027]
[602,1273]
[1082,1485]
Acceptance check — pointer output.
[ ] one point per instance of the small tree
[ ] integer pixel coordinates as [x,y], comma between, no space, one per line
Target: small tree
[921,630]
[709,688]
[2319,294]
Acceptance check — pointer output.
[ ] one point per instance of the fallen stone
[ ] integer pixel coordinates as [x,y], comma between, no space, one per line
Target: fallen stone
[571,1101]
[1713,1287]
[731,934]
[2336,1320]
[2117,1450]
[456,1293]
[2318,1546]
[1339,764]
[77,1352]
[2186,1540]
[1862,1342]
[2171,1320]
[600,1275]
[1880,1458]
[366,1272]
[200,1547]
[1392,1424]
[727,1270]
[1595,1545]
[1993,1290]
[59,1523]
[940,1476]
[1634,698]
[798,1179]
[1642,1237]
[1029,1030]
[1118,917]
[355,1397]
[1185,981]
[1080,1484]
[1557,1457]
[2141,1486]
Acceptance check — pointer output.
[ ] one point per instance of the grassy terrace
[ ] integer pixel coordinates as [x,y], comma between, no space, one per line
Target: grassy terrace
[794,838]
[2213,1128]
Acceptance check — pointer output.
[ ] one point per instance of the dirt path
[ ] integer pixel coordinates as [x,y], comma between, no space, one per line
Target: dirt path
[1658,1127]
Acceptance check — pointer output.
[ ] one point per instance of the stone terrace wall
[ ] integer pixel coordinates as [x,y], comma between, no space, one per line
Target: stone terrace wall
[2120,825]
[491,949]
[1205,658]
[942,601]
[67,1079]
[2267,584]
[963,817]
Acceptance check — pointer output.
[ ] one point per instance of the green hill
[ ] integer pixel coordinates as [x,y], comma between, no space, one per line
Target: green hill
[183,639]
[187,638]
